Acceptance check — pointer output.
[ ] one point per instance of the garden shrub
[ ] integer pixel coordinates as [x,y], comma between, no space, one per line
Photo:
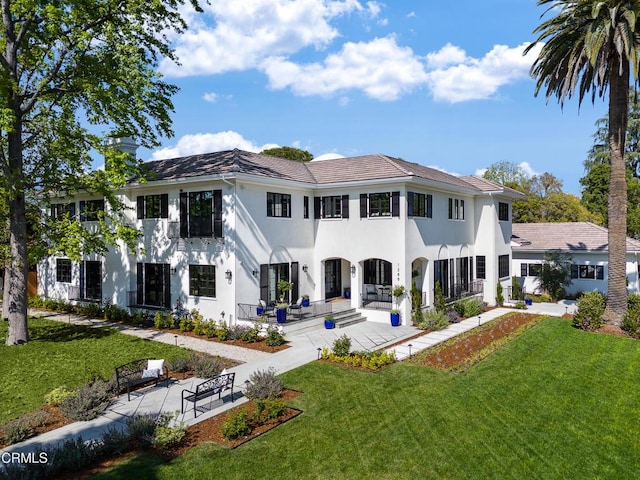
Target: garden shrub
[205,366]
[209,329]
[520,305]
[114,313]
[18,430]
[222,331]
[179,365]
[341,346]
[75,454]
[237,425]
[57,395]
[439,302]
[88,402]
[263,385]
[361,359]
[590,310]
[499,295]
[274,337]
[268,410]
[252,333]
[469,307]
[168,432]
[198,326]
[91,310]
[453,316]
[115,441]
[162,320]
[631,320]
[142,428]
[434,320]
[186,324]
[236,332]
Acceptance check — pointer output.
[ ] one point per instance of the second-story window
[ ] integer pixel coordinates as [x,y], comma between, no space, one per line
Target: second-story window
[503,212]
[386,204]
[201,214]
[59,210]
[91,210]
[153,206]
[278,205]
[456,209]
[419,205]
[335,206]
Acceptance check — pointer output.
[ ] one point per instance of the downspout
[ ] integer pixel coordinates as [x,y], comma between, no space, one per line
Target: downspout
[234,236]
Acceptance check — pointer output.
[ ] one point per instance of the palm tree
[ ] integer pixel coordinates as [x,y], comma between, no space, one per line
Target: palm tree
[592,46]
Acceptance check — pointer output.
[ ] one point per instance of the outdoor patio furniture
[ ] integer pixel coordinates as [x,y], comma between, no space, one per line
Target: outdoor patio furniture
[296,308]
[208,388]
[140,372]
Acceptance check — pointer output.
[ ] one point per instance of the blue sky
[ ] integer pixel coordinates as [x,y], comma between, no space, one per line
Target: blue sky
[439,83]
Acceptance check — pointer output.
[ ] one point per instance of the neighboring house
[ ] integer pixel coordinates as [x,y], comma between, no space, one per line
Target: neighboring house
[221,229]
[585,242]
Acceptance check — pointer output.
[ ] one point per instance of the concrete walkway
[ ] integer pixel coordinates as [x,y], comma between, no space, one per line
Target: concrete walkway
[304,348]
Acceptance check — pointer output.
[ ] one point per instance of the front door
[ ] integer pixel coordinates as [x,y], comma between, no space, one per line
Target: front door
[332,278]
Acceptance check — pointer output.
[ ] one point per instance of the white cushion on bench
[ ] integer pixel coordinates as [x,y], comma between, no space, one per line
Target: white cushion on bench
[150,373]
[155,364]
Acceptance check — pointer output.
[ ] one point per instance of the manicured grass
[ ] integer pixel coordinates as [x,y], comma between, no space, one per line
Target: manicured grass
[63,354]
[554,403]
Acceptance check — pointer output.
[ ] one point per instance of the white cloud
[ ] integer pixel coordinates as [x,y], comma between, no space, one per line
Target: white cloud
[381,68]
[528,169]
[209,142]
[238,35]
[459,78]
[480,172]
[210,97]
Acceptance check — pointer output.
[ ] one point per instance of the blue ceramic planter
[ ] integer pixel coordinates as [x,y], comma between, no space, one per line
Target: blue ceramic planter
[395,319]
[281,315]
[329,324]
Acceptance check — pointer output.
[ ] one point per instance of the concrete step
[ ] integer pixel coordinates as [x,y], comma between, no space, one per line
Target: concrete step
[354,318]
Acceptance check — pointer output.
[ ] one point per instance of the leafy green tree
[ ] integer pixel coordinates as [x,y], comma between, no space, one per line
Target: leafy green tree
[65,67]
[595,183]
[592,46]
[289,152]
[506,173]
[555,273]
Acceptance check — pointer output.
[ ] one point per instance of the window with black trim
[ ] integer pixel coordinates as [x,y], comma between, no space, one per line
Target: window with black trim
[385,204]
[419,204]
[201,214]
[503,266]
[278,205]
[153,206]
[63,270]
[481,267]
[91,210]
[456,209]
[503,212]
[154,284]
[91,280]
[377,271]
[587,272]
[305,207]
[59,210]
[202,280]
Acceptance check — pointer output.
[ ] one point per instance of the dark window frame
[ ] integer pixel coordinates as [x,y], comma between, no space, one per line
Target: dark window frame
[153,206]
[63,270]
[503,211]
[90,210]
[61,209]
[377,271]
[278,205]
[481,267]
[202,281]
[504,270]
[201,214]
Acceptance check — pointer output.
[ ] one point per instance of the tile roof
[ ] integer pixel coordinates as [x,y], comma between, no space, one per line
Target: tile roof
[567,236]
[338,170]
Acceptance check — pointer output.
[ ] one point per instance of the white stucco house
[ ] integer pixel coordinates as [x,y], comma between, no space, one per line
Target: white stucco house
[220,229]
[587,244]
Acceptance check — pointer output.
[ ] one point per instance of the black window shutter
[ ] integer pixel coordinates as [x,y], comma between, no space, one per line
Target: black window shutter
[184,215]
[316,207]
[167,285]
[264,282]
[294,279]
[429,205]
[410,204]
[140,206]
[53,213]
[164,205]
[395,204]
[140,283]
[345,206]
[306,207]
[217,213]
[363,205]
[83,216]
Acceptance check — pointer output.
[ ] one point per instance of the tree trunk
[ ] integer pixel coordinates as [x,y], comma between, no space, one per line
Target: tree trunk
[618,112]
[15,284]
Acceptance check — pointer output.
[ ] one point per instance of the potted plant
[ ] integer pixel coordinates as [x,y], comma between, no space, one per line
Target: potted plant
[281,312]
[347,292]
[284,287]
[329,322]
[397,292]
[305,300]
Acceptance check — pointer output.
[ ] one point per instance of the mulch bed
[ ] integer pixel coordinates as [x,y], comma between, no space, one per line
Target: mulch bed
[466,349]
[259,345]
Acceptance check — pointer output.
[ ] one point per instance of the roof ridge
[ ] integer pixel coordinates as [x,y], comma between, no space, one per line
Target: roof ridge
[394,161]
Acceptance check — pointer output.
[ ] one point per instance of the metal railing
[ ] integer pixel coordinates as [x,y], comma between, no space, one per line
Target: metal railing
[74,292]
[132,302]
[253,311]
[375,301]
[464,290]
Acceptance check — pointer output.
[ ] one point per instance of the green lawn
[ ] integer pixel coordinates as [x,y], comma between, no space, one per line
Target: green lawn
[555,403]
[63,354]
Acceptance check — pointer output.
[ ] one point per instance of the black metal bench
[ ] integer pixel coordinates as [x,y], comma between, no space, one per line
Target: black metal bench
[136,373]
[208,388]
